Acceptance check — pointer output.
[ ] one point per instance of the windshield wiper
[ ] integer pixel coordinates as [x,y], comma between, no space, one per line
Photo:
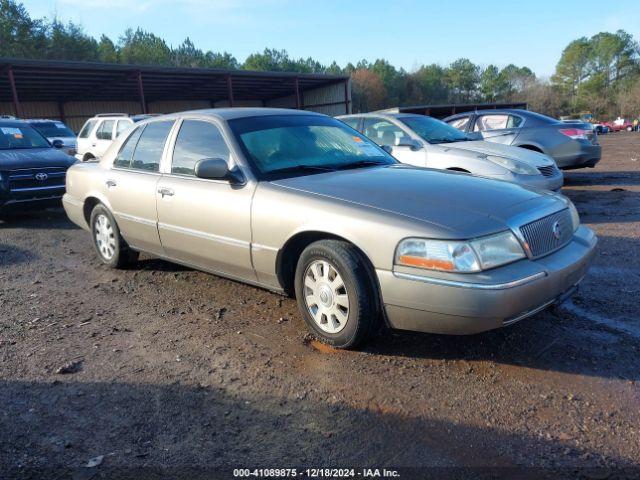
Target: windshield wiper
[304,168]
[361,163]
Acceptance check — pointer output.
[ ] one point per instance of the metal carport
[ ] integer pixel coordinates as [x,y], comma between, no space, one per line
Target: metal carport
[74,91]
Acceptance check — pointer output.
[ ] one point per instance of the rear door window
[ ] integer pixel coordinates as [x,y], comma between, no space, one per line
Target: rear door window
[491,122]
[105,130]
[148,152]
[382,131]
[122,126]
[123,160]
[196,141]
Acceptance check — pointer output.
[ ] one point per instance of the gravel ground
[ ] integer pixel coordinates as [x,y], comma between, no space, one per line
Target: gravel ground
[162,366]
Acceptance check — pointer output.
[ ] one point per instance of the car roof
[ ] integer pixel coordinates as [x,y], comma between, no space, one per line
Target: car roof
[242,112]
[6,122]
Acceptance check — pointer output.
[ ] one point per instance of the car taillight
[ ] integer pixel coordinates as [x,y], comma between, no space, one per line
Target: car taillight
[574,133]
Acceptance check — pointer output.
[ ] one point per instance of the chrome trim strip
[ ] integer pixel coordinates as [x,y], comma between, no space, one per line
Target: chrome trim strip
[133,218]
[35,189]
[206,236]
[257,246]
[32,199]
[475,286]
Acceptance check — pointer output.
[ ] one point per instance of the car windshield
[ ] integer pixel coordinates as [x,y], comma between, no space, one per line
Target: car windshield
[20,136]
[304,144]
[434,131]
[52,129]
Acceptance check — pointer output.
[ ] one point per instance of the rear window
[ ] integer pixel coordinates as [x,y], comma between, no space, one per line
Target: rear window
[52,129]
[21,136]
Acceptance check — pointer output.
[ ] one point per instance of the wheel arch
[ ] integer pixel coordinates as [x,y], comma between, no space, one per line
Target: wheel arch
[288,255]
[91,200]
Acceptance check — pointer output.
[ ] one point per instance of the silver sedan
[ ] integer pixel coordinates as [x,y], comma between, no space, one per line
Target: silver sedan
[300,203]
[427,142]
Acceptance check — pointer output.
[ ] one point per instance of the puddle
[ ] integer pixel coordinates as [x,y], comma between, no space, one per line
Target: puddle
[620,324]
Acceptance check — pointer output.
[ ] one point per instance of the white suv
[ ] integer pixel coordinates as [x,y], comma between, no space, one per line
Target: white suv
[99,132]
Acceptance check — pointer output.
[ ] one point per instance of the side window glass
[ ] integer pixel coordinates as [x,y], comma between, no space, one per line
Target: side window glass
[105,130]
[123,160]
[352,122]
[514,121]
[86,130]
[491,122]
[122,126]
[197,140]
[382,132]
[460,123]
[149,149]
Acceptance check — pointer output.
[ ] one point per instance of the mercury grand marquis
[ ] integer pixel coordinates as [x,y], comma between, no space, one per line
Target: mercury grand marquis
[302,204]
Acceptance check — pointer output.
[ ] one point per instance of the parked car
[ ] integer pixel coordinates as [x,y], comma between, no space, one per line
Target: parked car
[571,146]
[620,124]
[99,132]
[300,203]
[426,142]
[32,170]
[56,130]
[601,128]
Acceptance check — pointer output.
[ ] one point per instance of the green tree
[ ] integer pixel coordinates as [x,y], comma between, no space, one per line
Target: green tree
[462,77]
[69,42]
[573,67]
[140,47]
[107,51]
[220,60]
[20,36]
[187,55]
[427,85]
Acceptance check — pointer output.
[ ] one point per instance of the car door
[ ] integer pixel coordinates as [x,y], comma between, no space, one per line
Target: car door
[498,127]
[131,185]
[84,137]
[204,223]
[384,132]
[103,137]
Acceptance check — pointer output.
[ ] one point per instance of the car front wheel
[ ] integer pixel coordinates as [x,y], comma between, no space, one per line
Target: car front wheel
[109,244]
[336,293]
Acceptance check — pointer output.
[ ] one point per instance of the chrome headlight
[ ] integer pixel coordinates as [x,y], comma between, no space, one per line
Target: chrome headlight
[513,165]
[461,257]
[575,217]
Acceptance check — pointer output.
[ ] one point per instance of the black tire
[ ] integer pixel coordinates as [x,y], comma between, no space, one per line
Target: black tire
[118,254]
[363,312]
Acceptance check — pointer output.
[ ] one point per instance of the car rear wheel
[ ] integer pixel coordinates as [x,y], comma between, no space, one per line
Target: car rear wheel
[109,244]
[336,293]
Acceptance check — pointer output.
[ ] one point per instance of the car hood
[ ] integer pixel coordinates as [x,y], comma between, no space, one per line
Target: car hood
[535,159]
[453,204]
[34,158]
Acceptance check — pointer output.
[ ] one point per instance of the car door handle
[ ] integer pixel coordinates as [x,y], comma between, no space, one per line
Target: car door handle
[165,191]
[93,144]
[110,183]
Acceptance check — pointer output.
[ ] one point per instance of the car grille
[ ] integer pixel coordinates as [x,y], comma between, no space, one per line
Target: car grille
[540,235]
[31,183]
[549,170]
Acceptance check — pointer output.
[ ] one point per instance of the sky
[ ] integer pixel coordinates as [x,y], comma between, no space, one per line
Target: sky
[407,33]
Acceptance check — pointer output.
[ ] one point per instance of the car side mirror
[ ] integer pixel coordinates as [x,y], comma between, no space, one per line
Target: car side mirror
[57,143]
[217,169]
[408,142]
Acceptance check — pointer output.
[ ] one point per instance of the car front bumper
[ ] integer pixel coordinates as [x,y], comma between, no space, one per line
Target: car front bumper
[553,182]
[472,303]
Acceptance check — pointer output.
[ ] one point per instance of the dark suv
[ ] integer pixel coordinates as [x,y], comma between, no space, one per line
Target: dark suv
[32,170]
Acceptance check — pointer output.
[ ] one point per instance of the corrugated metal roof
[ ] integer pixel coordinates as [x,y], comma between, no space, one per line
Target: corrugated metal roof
[62,81]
